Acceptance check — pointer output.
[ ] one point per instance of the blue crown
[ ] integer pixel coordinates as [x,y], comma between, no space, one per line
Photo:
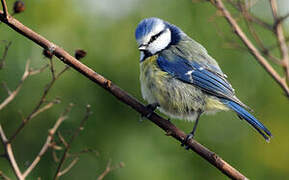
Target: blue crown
[146,26]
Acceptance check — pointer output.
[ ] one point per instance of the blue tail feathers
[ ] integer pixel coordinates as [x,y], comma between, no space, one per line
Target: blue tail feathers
[244,114]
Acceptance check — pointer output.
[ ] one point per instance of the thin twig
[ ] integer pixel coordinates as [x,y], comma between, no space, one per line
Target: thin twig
[37,71]
[61,138]
[54,155]
[68,144]
[255,35]
[249,4]
[281,38]
[3,2]
[3,176]
[9,154]
[4,85]
[84,151]
[52,70]
[109,168]
[49,139]
[252,17]
[282,18]
[124,97]
[2,60]
[68,168]
[44,108]
[252,49]
[14,93]
[40,103]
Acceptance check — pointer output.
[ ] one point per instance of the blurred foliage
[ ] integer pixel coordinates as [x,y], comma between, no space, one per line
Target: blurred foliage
[105,30]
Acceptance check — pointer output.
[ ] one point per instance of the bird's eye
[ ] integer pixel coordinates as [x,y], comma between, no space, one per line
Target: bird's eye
[154,37]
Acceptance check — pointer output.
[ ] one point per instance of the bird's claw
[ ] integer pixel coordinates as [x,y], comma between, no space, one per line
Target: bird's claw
[152,108]
[186,140]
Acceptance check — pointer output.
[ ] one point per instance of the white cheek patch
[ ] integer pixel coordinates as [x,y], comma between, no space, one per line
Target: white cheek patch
[161,42]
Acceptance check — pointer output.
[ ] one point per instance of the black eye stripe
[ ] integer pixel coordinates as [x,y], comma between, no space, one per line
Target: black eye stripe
[154,37]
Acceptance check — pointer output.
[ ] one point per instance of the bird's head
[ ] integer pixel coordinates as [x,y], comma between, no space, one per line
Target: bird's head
[154,35]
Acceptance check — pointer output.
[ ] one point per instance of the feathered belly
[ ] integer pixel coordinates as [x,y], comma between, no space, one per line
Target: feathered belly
[176,98]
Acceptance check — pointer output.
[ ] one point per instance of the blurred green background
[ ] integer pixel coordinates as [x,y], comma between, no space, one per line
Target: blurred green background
[105,29]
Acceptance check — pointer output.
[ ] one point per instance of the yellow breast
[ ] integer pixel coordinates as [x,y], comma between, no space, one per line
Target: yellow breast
[176,98]
[152,80]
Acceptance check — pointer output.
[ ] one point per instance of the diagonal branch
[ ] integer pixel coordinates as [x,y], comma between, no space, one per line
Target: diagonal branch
[283,17]
[3,176]
[25,75]
[13,94]
[68,145]
[108,169]
[124,97]
[252,49]
[251,17]
[281,38]
[265,51]
[68,168]
[3,2]
[37,109]
[49,139]
[2,60]
[9,154]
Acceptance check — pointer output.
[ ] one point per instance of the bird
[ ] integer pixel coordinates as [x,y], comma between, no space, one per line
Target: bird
[180,79]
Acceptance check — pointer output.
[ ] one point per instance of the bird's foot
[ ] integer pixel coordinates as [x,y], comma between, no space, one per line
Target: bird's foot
[152,107]
[186,140]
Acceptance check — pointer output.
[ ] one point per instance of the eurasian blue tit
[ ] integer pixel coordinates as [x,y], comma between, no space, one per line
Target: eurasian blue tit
[181,79]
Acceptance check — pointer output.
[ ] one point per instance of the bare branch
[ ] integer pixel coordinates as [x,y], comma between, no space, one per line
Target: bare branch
[84,151]
[274,9]
[62,139]
[9,154]
[49,139]
[37,71]
[4,85]
[64,171]
[124,97]
[281,19]
[68,145]
[32,115]
[256,37]
[44,108]
[3,2]
[252,49]
[281,38]
[3,176]
[14,93]
[2,60]
[109,168]
[38,108]
[54,155]
[251,17]
[52,70]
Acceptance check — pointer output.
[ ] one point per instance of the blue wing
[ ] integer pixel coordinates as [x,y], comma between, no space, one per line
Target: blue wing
[212,83]
[193,73]
[243,114]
